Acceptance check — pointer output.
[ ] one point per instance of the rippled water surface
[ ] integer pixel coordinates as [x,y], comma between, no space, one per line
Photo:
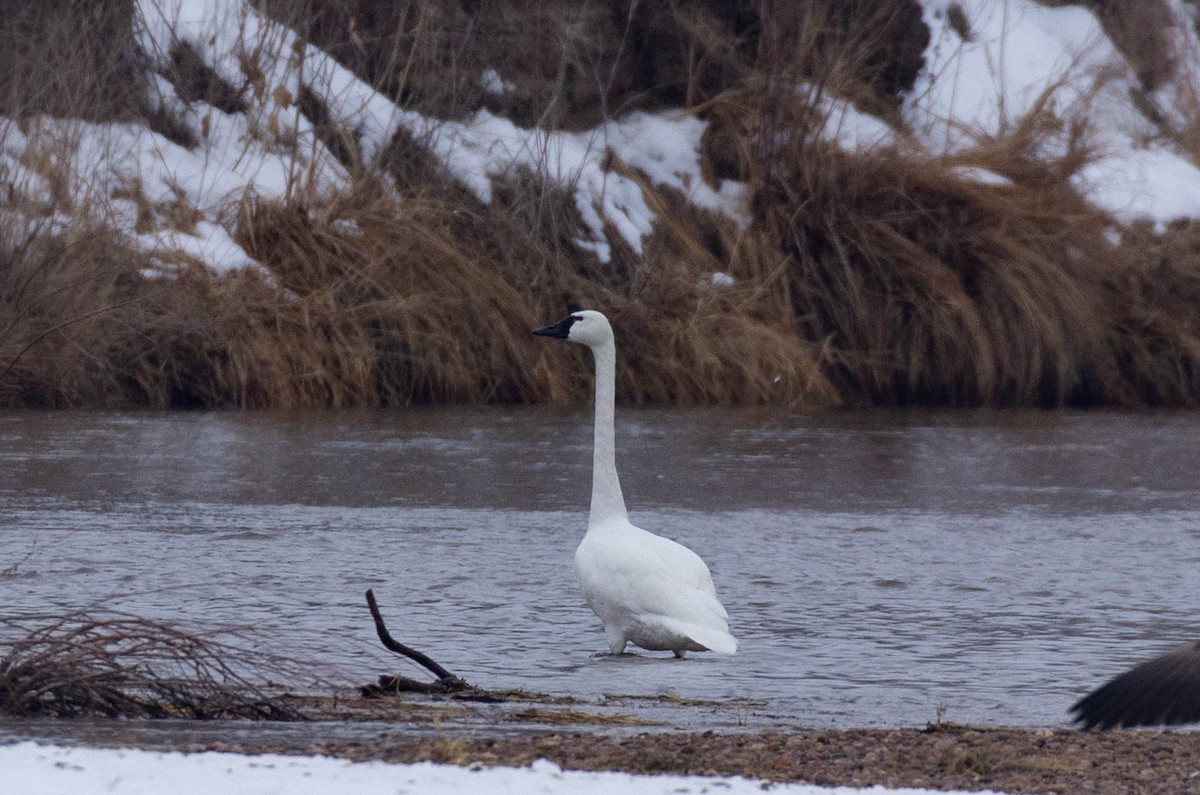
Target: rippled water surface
[880,568]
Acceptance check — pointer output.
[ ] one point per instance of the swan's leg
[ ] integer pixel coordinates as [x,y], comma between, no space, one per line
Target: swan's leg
[616,640]
[679,653]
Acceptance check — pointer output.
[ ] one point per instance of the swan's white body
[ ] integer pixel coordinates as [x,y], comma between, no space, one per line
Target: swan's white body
[648,590]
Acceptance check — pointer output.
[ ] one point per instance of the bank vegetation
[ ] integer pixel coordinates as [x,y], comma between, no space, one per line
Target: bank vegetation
[881,277]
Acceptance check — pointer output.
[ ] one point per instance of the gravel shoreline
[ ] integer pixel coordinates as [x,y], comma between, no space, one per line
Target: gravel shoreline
[941,757]
[945,756]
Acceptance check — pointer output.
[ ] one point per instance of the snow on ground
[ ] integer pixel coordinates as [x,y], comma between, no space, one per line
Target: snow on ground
[490,146]
[475,151]
[1017,50]
[33,769]
[273,150]
[1020,52]
[175,201]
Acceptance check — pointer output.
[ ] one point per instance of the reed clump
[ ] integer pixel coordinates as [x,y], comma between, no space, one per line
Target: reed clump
[1154,306]
[91,322]
[929,287]
[431,321]
[60,293]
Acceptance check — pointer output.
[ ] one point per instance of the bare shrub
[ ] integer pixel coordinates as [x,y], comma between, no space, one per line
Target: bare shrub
[571,64]
[83,664]
[79,60]
[420,52]
[565,63]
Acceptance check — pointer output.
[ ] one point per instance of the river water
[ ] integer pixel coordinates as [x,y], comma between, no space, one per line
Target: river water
[880,568]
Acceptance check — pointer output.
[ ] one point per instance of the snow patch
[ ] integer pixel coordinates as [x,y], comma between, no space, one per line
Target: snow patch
[1021,53]
[981,175]
[667,148]
[34,769]
[492,82]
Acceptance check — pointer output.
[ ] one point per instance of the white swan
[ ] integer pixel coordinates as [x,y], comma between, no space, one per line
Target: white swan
[648,590]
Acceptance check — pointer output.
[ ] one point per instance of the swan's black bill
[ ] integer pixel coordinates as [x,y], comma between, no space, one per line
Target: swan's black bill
[559,330]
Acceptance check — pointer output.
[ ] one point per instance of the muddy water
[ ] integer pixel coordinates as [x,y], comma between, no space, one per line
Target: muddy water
[880,568]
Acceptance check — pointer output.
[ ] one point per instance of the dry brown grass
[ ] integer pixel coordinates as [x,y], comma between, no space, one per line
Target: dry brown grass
[433,324]
[67,59]
[928,287]
[62,296]
[84,325]
[1154,307]
[114,666]
[445,296]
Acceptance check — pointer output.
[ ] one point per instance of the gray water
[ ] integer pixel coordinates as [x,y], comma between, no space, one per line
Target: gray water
[880,568]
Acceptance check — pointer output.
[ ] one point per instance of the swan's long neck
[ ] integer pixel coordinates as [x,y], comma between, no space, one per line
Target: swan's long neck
[607,502]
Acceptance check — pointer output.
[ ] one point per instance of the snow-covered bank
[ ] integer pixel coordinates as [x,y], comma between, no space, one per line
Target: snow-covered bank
[335,209]
[32,769]
[1022,55]
[174,200]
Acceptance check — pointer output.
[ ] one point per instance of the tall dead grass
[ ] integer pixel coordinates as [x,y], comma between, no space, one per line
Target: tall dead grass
[56,292]
[926,286]
[87,323]
[69,59]
[1154,307]
[444,297]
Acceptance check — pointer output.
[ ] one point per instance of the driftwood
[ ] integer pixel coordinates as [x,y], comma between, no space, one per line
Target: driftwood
[446,682]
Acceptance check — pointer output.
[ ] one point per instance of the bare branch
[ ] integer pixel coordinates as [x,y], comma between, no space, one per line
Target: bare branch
[446,681]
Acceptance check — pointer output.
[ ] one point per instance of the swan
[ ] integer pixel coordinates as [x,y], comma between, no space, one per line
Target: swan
[1162,691]
[646,589]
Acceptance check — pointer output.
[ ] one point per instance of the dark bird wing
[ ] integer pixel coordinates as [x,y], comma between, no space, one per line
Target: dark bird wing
[1160,692]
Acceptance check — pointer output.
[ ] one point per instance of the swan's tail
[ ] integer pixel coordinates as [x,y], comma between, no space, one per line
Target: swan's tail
[711,638]
[715,640]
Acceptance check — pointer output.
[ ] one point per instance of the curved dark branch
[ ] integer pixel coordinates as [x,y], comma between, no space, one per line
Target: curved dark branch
[446,681]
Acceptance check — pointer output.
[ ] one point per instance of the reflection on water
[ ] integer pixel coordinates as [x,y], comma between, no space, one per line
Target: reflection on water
[878,567]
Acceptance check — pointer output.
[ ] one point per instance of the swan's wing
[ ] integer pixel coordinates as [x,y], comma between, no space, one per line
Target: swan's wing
[688,568]
[1160,692]
[652,576]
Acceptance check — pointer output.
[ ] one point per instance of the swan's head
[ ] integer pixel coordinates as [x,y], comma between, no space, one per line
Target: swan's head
[587,327]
